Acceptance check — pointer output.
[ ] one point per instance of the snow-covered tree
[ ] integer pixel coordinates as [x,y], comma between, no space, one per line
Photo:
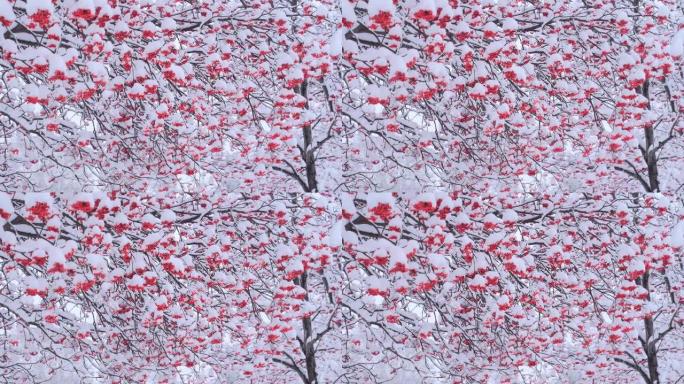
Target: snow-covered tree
[345,191]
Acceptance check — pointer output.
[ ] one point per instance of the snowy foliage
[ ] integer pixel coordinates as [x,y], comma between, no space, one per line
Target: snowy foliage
[349,191]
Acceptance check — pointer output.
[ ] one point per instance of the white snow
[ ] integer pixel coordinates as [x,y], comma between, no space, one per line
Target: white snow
[377,6]
[33,6]
[677,235]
